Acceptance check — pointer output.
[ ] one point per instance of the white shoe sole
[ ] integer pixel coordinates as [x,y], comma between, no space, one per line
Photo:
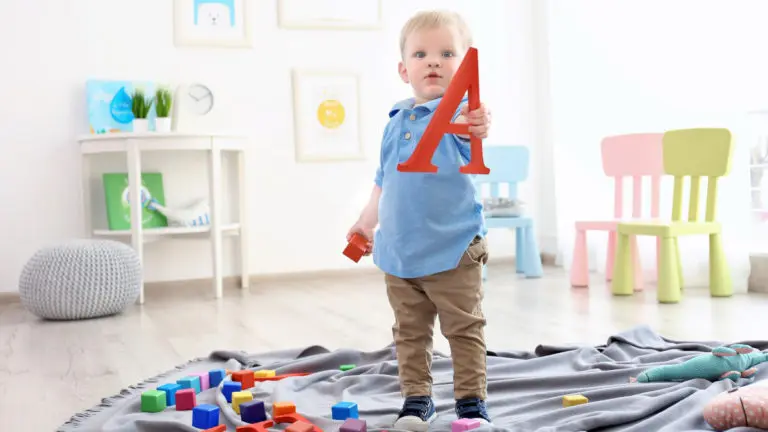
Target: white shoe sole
[414,424]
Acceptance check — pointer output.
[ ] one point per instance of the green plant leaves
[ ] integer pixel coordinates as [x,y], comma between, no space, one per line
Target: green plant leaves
[140,105]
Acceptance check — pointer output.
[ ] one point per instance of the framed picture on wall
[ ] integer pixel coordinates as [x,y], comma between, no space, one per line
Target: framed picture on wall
[212,23]
[329,14]
[326,116]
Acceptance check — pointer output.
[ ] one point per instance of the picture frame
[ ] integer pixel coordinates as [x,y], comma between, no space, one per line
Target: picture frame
[330,14]
[327,115]
[212,23]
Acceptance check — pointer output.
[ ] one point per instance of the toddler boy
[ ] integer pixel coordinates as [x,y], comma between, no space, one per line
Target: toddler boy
[431,238]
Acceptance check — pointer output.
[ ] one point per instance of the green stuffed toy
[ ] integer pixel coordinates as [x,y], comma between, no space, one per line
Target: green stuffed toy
[726,362]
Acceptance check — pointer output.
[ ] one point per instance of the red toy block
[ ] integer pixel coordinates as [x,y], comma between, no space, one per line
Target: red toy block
[465,80]
[219,428]
[244,377]
[354,425]
[293,418]
[185,399]
[256,427]
[300,426]
[357,247]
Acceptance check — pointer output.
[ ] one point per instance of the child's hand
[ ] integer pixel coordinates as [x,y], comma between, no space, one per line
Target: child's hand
[366,232]
[479,120]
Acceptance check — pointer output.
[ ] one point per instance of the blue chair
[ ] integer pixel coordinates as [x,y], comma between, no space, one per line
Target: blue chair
[509,164]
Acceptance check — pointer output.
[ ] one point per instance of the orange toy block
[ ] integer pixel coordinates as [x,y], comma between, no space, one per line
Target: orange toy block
[300,426]
[219,428]
[281,377]
[465,80]
[244,377]
[293,418]
[256,427]
[357,247]
[283,408]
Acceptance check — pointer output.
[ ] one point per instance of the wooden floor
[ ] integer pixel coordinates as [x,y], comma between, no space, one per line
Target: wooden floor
[51,370]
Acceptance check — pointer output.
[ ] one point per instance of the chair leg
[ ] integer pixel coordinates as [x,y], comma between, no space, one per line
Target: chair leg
[580,265]
[720,284]
[679,264]
[669,281]
[636,265]
[658,258]
[610,256]
[622,271]
[532,254]
[519,250]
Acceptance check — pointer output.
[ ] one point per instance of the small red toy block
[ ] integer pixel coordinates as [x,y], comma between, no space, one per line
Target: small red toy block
[463,425]
[244,377]
[357,247]
[293,418]
[185,399]
[282,408]
[465,80]
[300,426]
[354,425]
[219,428]
[256,427]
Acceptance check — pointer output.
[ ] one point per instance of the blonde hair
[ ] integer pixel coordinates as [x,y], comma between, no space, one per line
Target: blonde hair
[435,19]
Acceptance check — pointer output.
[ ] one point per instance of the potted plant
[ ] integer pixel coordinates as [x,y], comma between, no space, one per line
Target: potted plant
[163,105]
[140,106]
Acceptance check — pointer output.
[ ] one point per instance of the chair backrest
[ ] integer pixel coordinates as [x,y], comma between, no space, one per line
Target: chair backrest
[508,165]
[696,153]
[634,155]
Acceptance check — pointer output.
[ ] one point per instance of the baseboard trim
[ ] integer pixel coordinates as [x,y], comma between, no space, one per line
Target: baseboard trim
[547,260]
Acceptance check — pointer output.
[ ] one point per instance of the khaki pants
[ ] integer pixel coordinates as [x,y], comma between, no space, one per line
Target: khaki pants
[455,296]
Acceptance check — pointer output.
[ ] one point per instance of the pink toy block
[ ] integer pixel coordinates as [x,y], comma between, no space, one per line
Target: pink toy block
[185,400]
[354,425]
[205,382]
[462,425]
[635,156]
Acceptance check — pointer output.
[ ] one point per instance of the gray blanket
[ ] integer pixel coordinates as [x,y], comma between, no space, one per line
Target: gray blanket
[525,388]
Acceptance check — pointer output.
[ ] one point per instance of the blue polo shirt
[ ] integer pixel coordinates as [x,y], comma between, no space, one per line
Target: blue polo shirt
[426,220]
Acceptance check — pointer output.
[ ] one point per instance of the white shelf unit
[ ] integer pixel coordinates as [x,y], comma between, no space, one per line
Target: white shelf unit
[133,145]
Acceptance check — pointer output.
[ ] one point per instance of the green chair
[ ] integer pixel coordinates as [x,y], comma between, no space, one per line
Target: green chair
[694,153]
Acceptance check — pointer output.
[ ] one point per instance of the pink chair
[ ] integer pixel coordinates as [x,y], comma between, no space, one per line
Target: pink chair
[631,155]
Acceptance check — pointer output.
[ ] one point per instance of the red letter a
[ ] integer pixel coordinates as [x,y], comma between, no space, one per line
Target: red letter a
[465,80]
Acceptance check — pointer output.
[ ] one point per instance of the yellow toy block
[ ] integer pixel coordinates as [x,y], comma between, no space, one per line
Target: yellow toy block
[240,397]
[573,400]
[263,374]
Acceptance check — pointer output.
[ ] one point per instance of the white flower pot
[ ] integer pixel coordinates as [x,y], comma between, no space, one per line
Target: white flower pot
[140,125]
[163,124]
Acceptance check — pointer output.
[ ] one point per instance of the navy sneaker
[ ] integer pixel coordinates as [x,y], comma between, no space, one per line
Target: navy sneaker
[416,415]
[472,408]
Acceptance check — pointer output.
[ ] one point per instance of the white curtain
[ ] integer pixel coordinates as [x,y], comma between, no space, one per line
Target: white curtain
[651,66]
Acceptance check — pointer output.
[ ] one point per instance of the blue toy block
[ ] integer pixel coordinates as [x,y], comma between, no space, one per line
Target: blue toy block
[170,393]
[216,376]
[229,388]
[205,416]
[253,411]
[344,410]
[192,382]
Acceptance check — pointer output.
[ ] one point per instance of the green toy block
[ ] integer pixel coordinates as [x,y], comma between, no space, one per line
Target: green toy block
[153,401]
[347,367]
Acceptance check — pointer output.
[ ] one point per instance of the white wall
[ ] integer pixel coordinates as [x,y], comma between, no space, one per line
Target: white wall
[299,213]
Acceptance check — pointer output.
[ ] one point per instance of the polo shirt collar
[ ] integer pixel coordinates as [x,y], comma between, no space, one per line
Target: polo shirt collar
[408,104]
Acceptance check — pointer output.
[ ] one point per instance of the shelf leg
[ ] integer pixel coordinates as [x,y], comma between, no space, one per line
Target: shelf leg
[134,191]
[243,207]
[214,180]
[85,161]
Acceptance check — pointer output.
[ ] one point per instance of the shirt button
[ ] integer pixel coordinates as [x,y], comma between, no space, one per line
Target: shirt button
[407,135]
[413,117]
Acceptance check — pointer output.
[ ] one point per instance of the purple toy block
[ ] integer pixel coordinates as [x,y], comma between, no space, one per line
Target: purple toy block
[354,425]
[463,425]
[253,411]
[205,382]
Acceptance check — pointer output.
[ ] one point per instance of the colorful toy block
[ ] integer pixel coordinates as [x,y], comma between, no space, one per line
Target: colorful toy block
[219,428]
[216,376]
[462,425]
[300,426]
[185,399]
[204,380]
[245,377]
[256,427]
[573,400]
[190,382]
[153,401]
[205,416]
[264,374]
[281,377]
[253,411]
[354,425]
[357,247]
[230,387]
[170,390]
[240,397]
[283,408]
[293,418]
[344,410]
[347,367]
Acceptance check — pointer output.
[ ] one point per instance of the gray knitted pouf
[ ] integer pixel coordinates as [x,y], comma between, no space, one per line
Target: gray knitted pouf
[81,279]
